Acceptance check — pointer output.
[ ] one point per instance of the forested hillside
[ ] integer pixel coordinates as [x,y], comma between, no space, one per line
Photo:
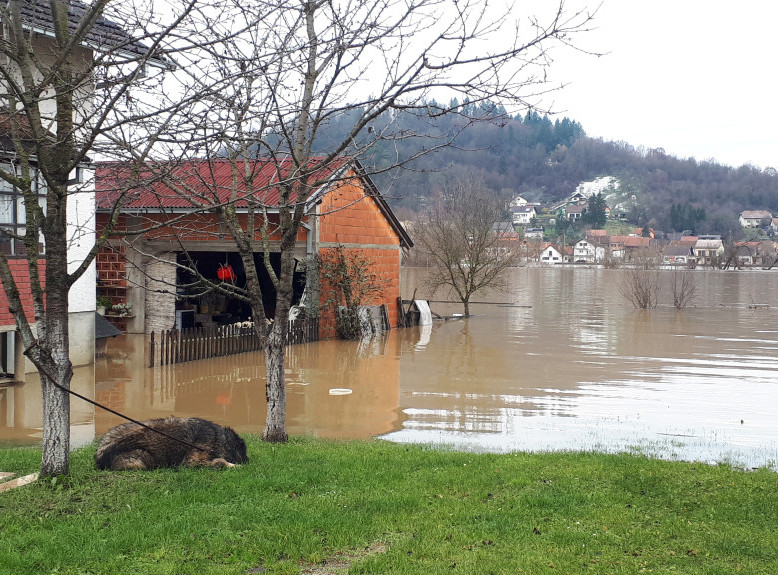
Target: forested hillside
[544,161]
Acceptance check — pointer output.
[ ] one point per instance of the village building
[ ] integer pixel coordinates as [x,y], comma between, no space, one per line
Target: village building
[534,234]
[345,211]
[755,253]
[678,254]
[586,252]
[616,246]
[755,218]
[522,215]
[578,197]
[505,232]
[637,248]
[550,254]
[575,212]
[708,251]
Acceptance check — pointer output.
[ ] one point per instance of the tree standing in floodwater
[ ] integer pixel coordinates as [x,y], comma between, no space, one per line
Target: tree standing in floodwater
[462,237]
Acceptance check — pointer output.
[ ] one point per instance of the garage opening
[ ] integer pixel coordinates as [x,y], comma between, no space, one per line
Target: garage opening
[215,307]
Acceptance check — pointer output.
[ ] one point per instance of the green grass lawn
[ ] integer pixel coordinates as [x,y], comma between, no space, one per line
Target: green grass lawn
[314,506]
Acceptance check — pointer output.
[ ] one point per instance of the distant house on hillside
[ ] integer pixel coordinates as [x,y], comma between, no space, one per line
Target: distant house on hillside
[755,218]
[534,234]
[578,198]
[596,234]
[522,215]
[575,212]
[505,232]
[518,202]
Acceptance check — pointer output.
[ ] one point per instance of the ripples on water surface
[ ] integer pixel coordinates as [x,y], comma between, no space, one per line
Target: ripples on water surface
[583,370]
[569,365]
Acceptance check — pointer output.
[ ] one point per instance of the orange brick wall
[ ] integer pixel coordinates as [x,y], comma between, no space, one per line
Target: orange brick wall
[360,221]
[356,222]
[22,276]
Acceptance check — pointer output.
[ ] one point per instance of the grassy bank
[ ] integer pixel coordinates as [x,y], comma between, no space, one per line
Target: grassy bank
[315,506]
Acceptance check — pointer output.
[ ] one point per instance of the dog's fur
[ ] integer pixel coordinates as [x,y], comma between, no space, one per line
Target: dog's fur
[131,446]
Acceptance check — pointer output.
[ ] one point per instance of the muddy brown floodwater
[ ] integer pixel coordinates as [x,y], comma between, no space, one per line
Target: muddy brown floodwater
[560,361]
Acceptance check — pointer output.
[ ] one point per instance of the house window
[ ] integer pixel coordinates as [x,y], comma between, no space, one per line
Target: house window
[7,355]
[13,215]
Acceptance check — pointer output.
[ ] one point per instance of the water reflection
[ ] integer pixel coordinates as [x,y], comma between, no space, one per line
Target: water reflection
[565,364]
[585,371]
[21,408]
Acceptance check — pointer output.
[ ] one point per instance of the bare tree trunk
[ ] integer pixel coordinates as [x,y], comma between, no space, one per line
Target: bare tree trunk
[55,459]
[275,387]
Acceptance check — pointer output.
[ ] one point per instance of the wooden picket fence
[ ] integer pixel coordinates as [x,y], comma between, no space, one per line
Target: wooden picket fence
[177,346]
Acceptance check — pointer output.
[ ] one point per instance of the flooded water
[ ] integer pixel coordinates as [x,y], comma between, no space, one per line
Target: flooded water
[559,362]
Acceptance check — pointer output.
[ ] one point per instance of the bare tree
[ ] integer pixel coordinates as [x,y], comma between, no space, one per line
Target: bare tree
[640,285]
[67,79]
[460,236]
[277,76]
[683,287]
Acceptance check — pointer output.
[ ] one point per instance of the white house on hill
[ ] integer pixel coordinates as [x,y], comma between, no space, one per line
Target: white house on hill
[754,218]
[522,215]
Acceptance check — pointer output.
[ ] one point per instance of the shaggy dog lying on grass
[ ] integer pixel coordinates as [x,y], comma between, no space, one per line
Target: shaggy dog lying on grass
[202,442]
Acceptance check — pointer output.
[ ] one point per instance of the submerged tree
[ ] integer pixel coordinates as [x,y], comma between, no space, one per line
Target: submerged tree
[640,284]
[461,234]
[683,287]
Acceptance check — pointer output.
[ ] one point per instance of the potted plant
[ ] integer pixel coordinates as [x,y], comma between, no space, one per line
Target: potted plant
[103,304]
[122,309]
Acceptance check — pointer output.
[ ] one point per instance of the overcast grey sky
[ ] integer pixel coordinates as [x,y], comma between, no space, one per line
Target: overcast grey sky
[695,77]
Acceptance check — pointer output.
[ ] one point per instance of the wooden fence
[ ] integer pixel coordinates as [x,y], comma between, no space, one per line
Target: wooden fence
[177,346]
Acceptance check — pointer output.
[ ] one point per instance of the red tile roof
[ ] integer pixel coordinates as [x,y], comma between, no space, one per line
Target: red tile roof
[636,242]
[200,183]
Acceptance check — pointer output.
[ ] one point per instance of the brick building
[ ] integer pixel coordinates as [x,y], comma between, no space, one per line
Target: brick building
[344,209]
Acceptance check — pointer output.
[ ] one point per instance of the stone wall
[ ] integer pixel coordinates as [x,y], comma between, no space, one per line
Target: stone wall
[160,297]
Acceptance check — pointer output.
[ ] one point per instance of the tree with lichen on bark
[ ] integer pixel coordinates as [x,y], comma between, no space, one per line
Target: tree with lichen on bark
[66,86]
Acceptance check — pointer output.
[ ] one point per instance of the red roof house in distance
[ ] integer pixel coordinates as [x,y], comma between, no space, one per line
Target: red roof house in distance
[174,209]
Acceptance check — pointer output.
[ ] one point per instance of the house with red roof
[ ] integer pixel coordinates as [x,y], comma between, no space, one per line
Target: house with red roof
[169,212]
